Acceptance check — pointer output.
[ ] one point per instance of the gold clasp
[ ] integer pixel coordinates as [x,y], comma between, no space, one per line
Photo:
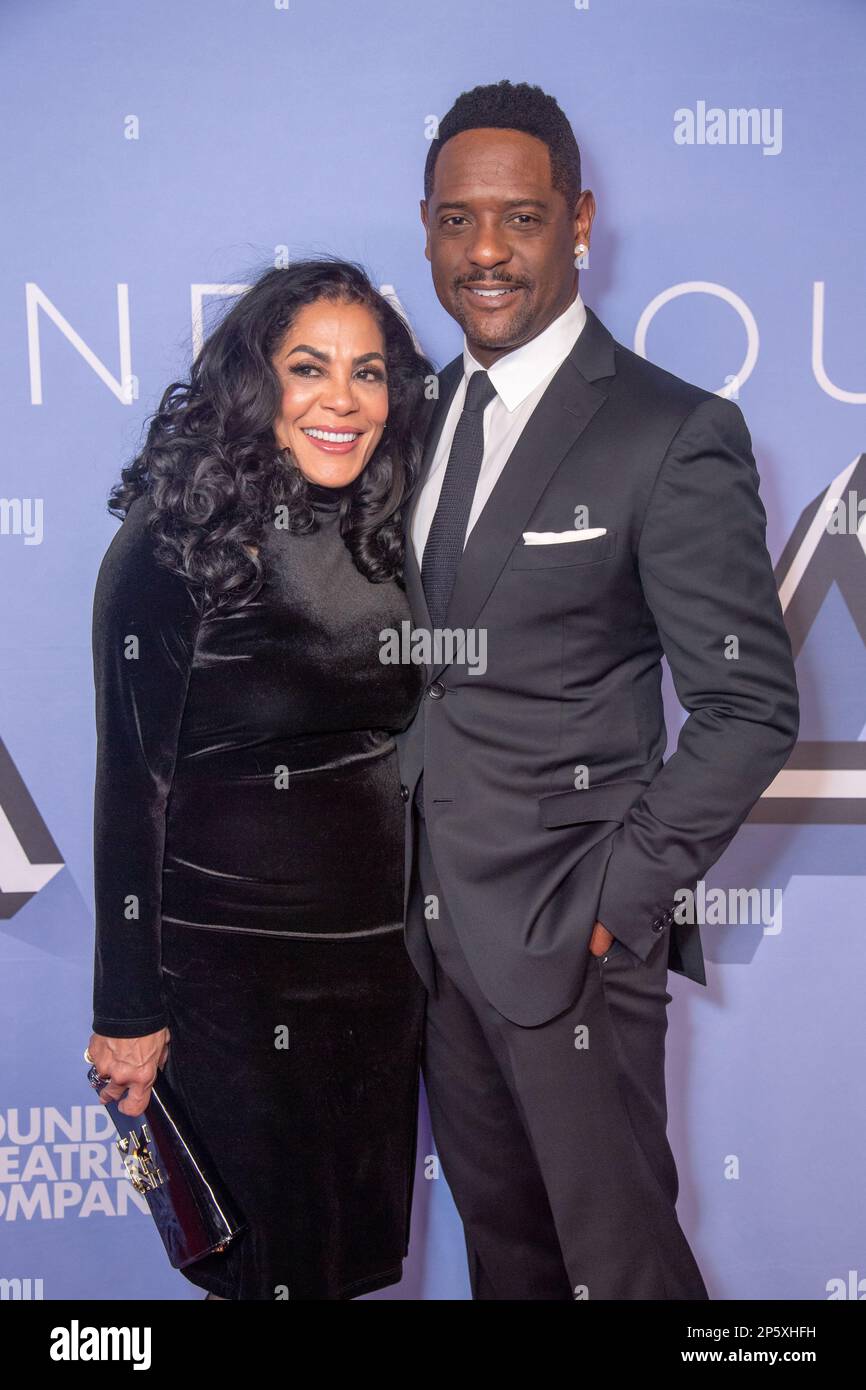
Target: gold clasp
[139,1164]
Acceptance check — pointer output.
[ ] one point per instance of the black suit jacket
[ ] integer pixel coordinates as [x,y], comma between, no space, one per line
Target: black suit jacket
[547,798]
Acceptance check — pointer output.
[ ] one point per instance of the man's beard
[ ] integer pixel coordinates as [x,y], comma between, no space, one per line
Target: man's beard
[489,335]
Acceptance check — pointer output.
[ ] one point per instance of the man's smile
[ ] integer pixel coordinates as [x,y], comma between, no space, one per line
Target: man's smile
[491,296]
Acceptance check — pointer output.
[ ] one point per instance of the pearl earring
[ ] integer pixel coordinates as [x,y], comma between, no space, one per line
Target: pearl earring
[580,249]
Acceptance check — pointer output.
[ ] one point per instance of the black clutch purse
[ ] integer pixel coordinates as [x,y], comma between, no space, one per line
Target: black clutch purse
[167,1164]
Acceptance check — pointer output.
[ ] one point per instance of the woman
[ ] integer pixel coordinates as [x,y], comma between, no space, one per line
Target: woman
[249,819]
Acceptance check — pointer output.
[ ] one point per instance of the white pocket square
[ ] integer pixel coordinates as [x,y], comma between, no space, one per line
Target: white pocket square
[557,537]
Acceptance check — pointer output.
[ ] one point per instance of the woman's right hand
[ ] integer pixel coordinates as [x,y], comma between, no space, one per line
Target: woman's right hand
[132,1063]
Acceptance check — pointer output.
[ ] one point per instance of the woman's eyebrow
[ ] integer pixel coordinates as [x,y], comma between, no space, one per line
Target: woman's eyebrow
[326,356]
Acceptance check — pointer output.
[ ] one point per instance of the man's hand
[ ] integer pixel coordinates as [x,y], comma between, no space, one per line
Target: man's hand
[601,940]
[132,1063]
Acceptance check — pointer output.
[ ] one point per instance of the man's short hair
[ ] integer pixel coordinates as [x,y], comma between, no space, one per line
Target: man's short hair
[514,106]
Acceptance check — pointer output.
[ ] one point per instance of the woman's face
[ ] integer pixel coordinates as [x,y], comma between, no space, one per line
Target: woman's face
[331,366]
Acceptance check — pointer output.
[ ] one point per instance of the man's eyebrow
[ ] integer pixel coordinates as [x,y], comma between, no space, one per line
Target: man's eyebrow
[326,356]
[509,203]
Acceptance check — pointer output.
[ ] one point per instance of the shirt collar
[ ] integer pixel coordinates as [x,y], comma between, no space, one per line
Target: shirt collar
[518,373]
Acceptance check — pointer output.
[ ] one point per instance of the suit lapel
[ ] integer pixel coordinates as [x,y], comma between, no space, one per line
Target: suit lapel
[449,379]
[561,416]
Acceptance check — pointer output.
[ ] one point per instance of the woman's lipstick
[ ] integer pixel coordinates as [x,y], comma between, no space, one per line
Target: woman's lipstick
[332,441]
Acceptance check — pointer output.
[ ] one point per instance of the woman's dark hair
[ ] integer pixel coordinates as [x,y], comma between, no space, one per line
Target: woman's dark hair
[211,465]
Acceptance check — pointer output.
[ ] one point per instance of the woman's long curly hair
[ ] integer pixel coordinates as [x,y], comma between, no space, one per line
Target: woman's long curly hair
[212,467]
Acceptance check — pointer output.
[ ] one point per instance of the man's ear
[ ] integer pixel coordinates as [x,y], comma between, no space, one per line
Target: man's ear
[584,213]
[423,207]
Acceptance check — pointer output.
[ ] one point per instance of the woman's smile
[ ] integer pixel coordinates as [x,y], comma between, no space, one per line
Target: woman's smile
[332,441]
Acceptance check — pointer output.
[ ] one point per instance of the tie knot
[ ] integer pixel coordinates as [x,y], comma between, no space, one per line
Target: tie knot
[479,392]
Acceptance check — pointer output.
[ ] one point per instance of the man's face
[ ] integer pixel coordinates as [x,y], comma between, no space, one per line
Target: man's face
[501,238]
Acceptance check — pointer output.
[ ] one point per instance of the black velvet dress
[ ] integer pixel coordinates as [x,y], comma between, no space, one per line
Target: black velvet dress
[249,894]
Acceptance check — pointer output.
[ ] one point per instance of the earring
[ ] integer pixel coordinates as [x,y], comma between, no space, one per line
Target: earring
[580,249]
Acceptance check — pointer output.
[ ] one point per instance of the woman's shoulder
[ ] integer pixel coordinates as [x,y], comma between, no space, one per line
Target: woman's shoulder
[131,554]
[130,570]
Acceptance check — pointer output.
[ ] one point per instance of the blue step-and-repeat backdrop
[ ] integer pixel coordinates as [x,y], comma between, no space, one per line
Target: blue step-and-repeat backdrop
[155,157]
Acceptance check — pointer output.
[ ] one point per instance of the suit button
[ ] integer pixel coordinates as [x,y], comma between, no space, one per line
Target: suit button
[436,690]
[404,791]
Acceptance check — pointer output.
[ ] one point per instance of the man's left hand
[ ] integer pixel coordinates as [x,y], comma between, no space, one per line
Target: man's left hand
[601,940]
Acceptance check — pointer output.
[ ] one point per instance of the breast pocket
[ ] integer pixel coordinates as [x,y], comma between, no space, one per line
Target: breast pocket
[556,554]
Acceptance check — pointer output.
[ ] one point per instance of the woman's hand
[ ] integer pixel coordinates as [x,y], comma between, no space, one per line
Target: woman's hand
[130,1062]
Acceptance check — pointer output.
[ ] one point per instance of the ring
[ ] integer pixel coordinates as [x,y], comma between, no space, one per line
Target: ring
[88,1058]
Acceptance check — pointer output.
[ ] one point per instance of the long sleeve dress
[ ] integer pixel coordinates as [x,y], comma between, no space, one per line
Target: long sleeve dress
[248,851]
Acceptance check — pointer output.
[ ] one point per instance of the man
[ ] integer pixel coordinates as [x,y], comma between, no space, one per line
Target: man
[582,512]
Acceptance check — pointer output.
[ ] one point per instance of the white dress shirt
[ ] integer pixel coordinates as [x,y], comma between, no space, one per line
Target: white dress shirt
[520,377]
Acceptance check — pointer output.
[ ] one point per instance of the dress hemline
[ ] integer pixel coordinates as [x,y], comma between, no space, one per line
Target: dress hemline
[369,1284]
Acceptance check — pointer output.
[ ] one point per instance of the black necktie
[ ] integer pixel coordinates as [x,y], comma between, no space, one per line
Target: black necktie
[448,529]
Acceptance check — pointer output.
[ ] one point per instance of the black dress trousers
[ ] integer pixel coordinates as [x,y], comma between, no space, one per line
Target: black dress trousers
[553,1138]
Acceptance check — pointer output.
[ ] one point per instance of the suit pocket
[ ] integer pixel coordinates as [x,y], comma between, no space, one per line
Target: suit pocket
[555,555]
[605,801]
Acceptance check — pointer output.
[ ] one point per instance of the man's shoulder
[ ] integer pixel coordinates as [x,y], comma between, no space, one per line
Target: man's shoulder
[647,391]
[654,389]
[648,397]
[645,402]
